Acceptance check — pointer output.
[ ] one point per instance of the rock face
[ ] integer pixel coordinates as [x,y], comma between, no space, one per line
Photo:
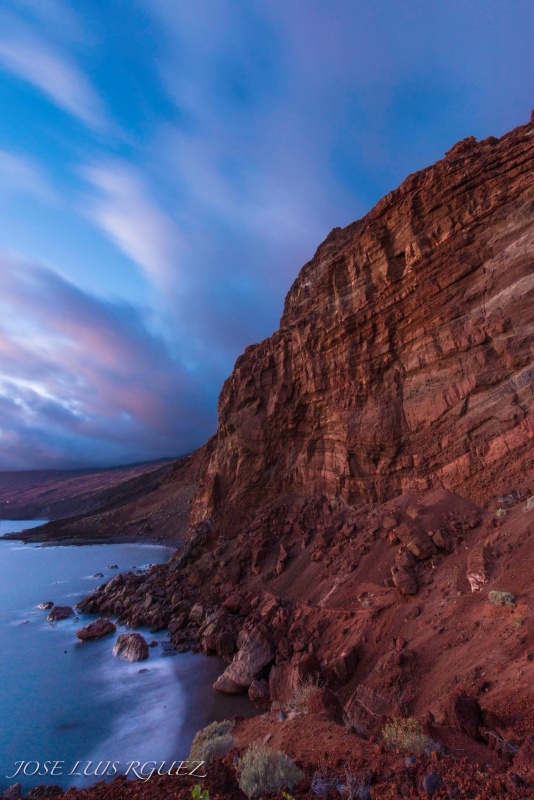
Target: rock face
[403,361]
[96,630]
[131,647]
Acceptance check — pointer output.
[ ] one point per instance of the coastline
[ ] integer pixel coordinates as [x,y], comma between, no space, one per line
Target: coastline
[203,705]
[71,541]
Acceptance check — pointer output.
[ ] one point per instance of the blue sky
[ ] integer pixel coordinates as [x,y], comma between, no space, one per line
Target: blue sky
[167,167]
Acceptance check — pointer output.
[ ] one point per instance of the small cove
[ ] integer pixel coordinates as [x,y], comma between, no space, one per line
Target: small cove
[69,701]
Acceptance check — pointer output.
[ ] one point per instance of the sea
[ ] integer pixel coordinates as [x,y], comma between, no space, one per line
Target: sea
[70,702]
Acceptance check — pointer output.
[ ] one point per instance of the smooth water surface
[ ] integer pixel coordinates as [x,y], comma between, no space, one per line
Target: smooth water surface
[61,699]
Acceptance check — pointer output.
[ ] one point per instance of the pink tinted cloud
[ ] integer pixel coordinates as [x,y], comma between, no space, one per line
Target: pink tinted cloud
[89,374]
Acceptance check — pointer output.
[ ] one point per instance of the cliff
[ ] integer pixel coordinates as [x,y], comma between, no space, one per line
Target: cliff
[403,361]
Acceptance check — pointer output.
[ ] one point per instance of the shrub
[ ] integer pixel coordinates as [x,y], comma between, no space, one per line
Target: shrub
[262,770]
[322,784]
[303,691]
[502,598]
[212,742]
[406,734]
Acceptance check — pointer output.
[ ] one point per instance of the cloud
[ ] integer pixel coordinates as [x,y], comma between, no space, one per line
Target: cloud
[130,218]
[22,175]
[51,70]
[57,17]
[87,379]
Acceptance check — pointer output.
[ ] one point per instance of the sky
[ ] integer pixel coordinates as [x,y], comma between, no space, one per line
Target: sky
[167,167]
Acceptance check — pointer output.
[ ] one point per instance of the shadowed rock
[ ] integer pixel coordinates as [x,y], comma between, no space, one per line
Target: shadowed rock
[60,612]
[96,630]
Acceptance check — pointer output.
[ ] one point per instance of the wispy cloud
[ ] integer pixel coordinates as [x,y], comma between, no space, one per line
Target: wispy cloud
[51,70]
[123,208]
[21,175]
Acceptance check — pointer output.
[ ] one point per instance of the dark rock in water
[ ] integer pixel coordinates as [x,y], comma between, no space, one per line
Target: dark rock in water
[98,575]
[153,643]
[12,793]
[96,629]
[60,612]
[44,607]
[42,791]
[142,671]
[131,646]
[113,566]
[431,783]
[168,649]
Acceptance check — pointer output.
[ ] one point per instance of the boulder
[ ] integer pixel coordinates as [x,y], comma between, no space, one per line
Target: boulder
[478,567]
[464,714]
[131,647]
[344,667]
[259,693]
[431,783]
[44,607]
[225,645]
[60,612]
[196,614]
[96,630]
[254,654]
[233,604]
[404,580]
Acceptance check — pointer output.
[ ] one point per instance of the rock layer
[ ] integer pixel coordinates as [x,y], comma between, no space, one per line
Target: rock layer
[403,361]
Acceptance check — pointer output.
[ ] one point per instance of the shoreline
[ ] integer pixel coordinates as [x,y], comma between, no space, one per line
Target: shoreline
[72,541]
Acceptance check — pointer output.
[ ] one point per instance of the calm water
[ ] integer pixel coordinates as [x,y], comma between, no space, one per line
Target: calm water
[65,700]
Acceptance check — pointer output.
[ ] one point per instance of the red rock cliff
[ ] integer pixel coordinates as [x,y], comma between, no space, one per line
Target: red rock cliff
[403,361]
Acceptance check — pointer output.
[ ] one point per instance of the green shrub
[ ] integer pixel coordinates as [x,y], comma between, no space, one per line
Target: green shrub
[406,734]
[198,793]
[502,598]
[261,770]
[212,742]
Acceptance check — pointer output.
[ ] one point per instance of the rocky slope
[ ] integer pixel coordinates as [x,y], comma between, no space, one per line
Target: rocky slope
[57,494]
[368,486]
